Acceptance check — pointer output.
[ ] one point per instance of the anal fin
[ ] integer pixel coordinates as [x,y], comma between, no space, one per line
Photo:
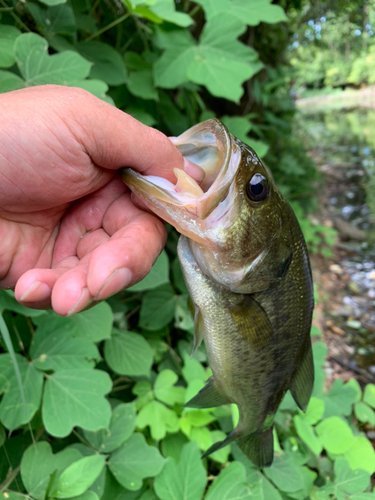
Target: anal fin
[220,444]
[208,397]
[302,382]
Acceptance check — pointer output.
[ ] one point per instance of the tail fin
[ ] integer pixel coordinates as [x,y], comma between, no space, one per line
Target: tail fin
[258,447]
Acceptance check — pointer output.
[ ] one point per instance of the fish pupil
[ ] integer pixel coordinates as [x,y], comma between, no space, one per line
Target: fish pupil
[257,189]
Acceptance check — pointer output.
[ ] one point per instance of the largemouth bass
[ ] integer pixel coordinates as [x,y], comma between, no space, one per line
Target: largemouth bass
[246,267]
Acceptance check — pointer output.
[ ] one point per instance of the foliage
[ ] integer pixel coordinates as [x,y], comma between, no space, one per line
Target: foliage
[170,67]
[92,405]
[333,44]
[105,409]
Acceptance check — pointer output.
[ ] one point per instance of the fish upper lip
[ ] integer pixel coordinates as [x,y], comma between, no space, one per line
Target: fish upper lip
[210,139]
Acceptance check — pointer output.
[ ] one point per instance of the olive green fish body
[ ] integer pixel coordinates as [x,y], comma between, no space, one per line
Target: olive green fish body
[247,270]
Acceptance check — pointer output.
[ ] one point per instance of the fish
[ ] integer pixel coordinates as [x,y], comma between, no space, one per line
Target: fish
[246,266]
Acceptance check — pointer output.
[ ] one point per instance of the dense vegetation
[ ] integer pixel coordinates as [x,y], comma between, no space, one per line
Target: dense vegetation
[92,405]
[333,44]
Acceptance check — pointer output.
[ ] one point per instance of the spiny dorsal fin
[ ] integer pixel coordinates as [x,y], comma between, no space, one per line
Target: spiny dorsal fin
[302,382]
[208,397]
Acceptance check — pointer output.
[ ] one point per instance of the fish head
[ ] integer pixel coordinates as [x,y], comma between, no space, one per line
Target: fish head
[234,218]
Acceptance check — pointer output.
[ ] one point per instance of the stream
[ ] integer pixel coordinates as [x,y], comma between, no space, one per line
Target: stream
[343,145]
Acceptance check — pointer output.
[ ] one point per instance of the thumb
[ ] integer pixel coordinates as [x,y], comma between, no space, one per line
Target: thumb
[114,139]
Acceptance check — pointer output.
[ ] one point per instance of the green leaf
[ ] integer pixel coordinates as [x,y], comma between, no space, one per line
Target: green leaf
[335,435]
[9,81]
[284,474]
[307,434]
[202,436]
[350,481]
[14,411]
[172,445]
[157,308]
[53,20]
[56,349]
[39,463]
[361,455]
[76,397]
[94,324]
[7,300]
[159,418]
[166,10]
[185,481]
[52,2]
[364,413]
[88,495]
[193,370]
[95,87]
[319,355]
[120,429]
[128,353]
[314,411]
[37,67]
[219,61]
[355,385]
[239,126]
[182,315]
[79,476]
[260,488]
[230,484]
[165,390]
[339,400]
[141,84]
[107,63]
[369,395]
[159,274]
[260,147]
[134,461]
[8,35]
[222,454]
[251,12]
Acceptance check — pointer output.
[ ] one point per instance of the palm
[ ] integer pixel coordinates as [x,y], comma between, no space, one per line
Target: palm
[70,233]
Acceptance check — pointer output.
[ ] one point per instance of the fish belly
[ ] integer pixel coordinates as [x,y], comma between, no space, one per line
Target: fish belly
[236,332]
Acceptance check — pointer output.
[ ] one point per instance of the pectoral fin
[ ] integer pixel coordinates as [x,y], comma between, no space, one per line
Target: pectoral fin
[303,380]
[208,397]
[198,325]
[252,322]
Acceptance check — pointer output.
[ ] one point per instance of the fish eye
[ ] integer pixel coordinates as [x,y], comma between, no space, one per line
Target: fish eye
[257,188]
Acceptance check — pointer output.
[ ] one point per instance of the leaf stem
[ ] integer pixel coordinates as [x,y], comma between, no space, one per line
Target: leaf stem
[15,17]
[9,479]
[108,27]
[194,10]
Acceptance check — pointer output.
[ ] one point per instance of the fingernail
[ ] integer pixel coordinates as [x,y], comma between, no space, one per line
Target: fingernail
[84,301]
[119,279]
[195,171]
[36,292]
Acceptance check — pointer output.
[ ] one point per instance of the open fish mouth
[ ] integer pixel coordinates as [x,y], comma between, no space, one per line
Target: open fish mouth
[209,145]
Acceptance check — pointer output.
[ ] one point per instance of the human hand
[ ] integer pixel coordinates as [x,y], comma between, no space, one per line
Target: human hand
[70,234]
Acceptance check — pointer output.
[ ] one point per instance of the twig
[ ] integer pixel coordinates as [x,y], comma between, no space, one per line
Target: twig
[108,27]
[366,376]
[9,479]
[15,16]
